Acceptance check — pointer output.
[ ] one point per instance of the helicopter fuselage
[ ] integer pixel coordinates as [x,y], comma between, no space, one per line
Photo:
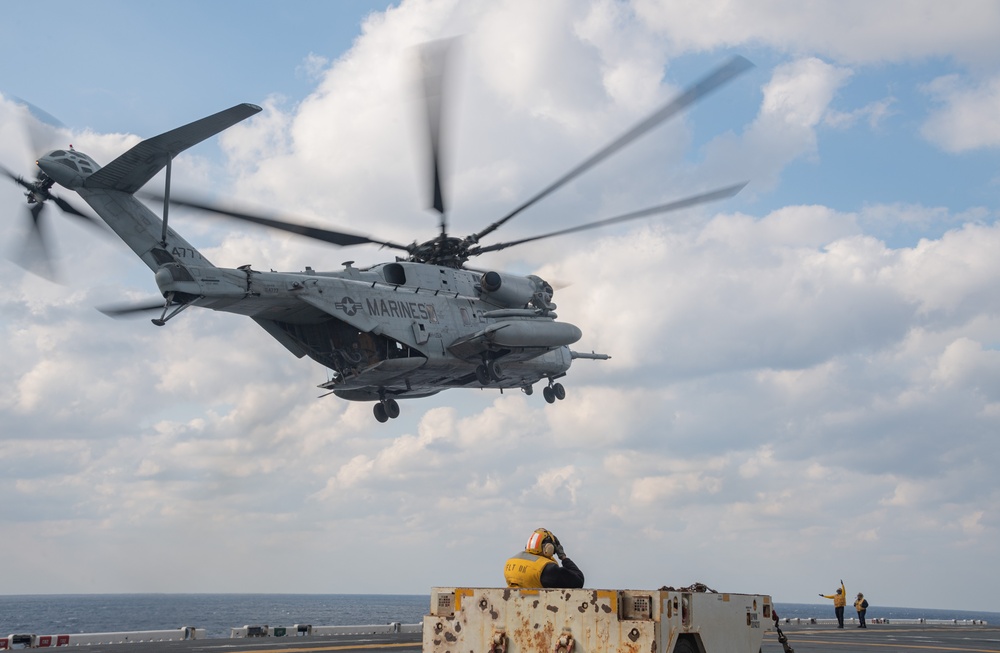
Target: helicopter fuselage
[398,329]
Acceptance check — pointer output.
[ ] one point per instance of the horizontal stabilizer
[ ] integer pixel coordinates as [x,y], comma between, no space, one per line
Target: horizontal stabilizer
[132,170]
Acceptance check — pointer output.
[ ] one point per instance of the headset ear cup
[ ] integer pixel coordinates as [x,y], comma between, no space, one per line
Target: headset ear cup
[548,549]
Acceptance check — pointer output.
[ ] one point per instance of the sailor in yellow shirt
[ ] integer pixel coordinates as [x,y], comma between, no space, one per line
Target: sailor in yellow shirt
[839,601]
[536,565]
[861,605]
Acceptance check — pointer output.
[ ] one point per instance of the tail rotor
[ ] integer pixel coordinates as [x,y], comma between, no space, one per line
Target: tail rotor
[34,254]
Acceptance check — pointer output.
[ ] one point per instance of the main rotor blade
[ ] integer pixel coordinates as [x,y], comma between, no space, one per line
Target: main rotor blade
[694,200]
[433,62]
[72,210]
[700,89]
[342,238]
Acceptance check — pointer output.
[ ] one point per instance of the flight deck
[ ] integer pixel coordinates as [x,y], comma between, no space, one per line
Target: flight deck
[802,638]
[884,638]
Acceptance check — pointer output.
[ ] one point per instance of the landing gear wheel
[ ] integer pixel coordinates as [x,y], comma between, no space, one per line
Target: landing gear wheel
[559,391]
[380,414]
[482,375]
[494,369]
[549,394]
[391,408]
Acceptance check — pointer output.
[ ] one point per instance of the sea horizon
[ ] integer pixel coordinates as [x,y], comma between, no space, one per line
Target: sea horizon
[219,613]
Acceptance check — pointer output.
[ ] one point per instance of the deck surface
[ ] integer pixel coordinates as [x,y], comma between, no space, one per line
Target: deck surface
[803,638]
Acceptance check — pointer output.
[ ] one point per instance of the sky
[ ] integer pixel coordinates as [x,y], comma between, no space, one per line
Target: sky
[805,379]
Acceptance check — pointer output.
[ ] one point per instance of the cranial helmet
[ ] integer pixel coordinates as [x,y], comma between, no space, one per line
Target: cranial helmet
[541,543]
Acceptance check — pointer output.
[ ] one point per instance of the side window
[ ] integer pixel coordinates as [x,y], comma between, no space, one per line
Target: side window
[466,320]
[394,274]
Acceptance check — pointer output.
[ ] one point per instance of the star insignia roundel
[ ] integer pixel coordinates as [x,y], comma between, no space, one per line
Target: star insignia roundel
[348,305]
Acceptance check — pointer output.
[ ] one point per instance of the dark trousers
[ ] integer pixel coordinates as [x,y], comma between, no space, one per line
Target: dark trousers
[861,618]
[840,616]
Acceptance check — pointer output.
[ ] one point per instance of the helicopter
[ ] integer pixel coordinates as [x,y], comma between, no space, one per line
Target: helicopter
[407,328]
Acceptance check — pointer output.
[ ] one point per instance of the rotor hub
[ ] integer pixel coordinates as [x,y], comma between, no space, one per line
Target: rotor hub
[447,251]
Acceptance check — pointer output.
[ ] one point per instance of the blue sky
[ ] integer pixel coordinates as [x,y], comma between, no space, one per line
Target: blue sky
[155,62]
[805,384]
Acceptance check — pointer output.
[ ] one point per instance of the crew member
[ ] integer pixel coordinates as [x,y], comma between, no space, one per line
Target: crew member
[839,601]
[861,605]
[536,566]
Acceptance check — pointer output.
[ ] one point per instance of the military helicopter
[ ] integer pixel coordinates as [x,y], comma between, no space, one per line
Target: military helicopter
[407,328]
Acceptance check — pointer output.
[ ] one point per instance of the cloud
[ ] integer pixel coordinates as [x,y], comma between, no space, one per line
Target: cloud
[795,105]
[855,32]
[965,117]
[313,66]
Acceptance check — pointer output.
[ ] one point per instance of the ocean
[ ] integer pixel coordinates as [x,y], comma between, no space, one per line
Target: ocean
[218,613]
[46,614]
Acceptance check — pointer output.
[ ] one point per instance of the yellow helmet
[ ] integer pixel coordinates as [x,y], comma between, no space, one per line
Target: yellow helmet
[541,543]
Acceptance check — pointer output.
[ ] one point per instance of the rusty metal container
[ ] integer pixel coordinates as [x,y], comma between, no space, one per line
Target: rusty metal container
[510,620]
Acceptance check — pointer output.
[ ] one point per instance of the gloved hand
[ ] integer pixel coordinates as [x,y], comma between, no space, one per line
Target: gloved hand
[559,547]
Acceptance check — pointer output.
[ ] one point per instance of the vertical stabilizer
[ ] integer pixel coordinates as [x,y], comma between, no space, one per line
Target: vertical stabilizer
[110,190]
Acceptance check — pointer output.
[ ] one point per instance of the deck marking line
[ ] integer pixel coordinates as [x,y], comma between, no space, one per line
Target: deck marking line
[342,647]
[908,646]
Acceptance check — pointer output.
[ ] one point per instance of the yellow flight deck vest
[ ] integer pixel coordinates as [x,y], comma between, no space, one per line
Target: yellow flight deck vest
[525,570]
[839,600]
